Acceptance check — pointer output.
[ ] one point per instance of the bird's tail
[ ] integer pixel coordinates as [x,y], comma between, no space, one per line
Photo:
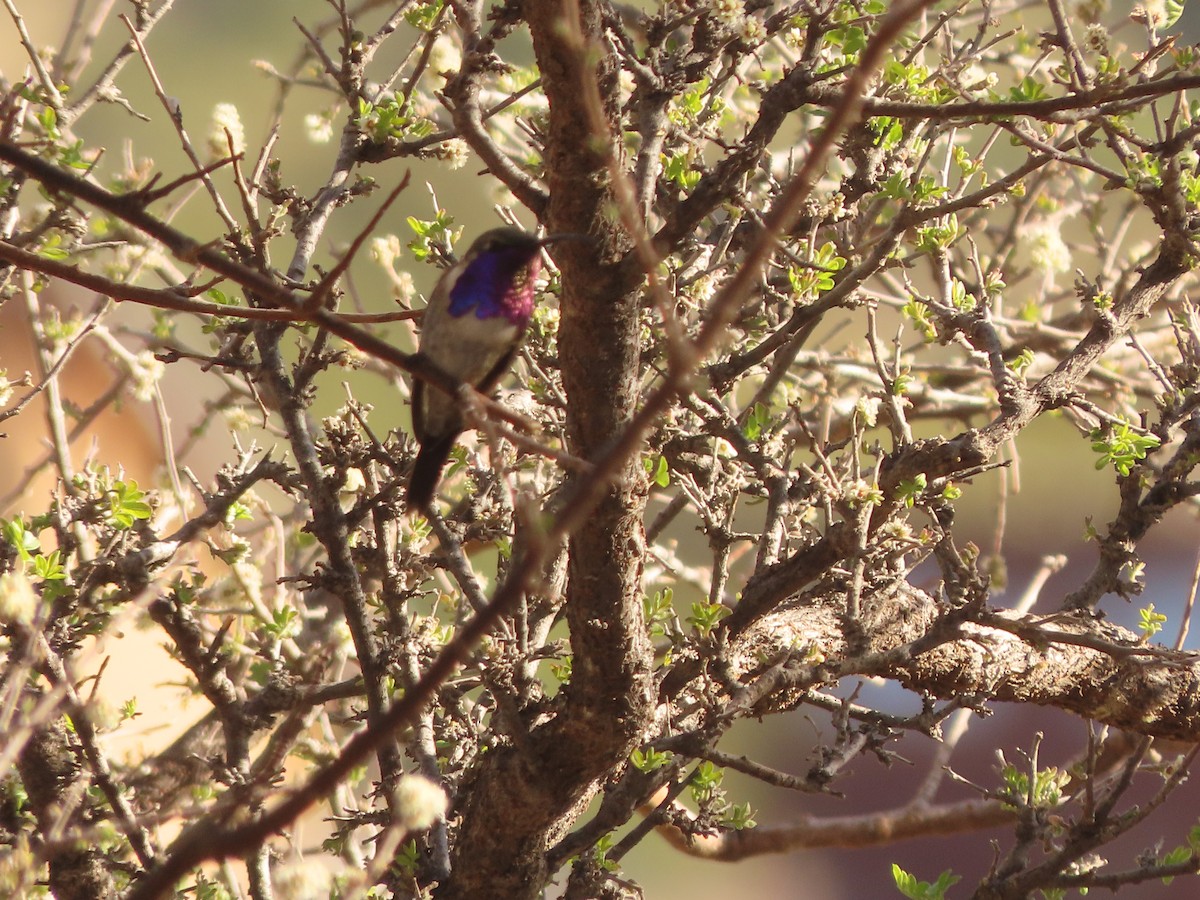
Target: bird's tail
[427,471]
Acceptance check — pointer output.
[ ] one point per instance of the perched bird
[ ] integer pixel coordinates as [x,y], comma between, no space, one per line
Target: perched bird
[473,325]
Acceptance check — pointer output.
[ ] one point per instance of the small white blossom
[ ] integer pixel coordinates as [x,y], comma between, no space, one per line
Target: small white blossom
[403,286]
[974,79]
[355,481]
[861,493]
[1096,38]
[302,879]
[753,31]
[445,56]
[702,289]
[351,488]
[385,250]
[1047,249]
[896,531]
[6,388]
[731,12]
[238,418]
[147,371]
[225,118]
[341,639]
[319,127]
[455,152]
[419,802]
[868,410]
[18,602]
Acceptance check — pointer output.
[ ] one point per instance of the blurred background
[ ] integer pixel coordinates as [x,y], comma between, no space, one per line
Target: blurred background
[220,51]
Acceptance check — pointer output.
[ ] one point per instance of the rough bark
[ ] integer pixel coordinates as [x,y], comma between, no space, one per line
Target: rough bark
[538,787]
[1081,664]
[54,781]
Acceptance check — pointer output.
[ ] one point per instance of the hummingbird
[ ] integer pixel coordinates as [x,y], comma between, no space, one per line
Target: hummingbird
[474,322]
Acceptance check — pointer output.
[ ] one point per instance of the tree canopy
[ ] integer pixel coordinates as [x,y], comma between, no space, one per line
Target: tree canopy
[835,259]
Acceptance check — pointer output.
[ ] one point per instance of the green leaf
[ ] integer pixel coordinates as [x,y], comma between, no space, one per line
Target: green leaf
[1194,838]
[1173,9]
[1151,622]
[660,472]
[438,231]
[53,249]
[49,567]
[408,857]
[127,504]
[739,816]
[1179,855]
[48,119]
[25,541]
[889,131]
[1021,362]
[1122,447]
[910,887]
[650,759]
[658,611]
[424,16]
[71,156]
[918,313]
[285,623]
[706,779]
[1028,90]
[678,170]
[850,38]
[706,615]
[1047,787]
[757,420]
[910,489]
